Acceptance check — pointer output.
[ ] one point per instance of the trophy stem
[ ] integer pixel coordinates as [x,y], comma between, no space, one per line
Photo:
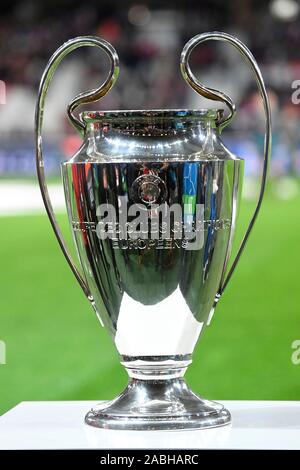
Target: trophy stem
[166,404]
[156,367]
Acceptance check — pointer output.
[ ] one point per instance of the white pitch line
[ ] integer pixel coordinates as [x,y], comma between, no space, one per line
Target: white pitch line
[21,198]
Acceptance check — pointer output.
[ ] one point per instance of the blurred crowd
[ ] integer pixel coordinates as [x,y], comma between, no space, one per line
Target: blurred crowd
[149,37]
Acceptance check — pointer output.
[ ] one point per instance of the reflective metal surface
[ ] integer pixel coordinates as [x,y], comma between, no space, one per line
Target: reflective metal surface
[145,289]
[154,295]
[158,405]
[152,198]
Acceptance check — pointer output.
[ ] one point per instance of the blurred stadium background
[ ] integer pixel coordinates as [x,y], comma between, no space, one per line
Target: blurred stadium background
[55,347]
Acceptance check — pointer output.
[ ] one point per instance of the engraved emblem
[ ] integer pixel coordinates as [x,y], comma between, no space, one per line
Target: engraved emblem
[148,189]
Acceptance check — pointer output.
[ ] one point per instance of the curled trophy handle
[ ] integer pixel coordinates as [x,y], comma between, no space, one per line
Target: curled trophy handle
[86,97]
[216,95]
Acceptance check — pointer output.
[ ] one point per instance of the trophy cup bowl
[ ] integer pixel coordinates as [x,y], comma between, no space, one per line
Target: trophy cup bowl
[152,199]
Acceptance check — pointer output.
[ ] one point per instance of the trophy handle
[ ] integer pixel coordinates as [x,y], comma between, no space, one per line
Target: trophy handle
[82,98]
[216,95]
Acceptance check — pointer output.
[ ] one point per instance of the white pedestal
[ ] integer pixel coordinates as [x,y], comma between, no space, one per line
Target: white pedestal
[60,425]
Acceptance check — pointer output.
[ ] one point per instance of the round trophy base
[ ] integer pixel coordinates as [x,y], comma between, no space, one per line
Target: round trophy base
[158,405]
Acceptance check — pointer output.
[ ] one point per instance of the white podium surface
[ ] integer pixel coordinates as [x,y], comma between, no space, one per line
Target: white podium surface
[60,425]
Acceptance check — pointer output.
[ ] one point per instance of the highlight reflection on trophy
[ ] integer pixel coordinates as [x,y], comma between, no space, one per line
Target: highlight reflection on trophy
[152,198]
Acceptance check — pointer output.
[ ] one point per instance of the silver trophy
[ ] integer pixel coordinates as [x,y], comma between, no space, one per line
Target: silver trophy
[152,198]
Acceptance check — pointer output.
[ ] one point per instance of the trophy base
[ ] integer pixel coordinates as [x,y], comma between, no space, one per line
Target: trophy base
[158,405]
